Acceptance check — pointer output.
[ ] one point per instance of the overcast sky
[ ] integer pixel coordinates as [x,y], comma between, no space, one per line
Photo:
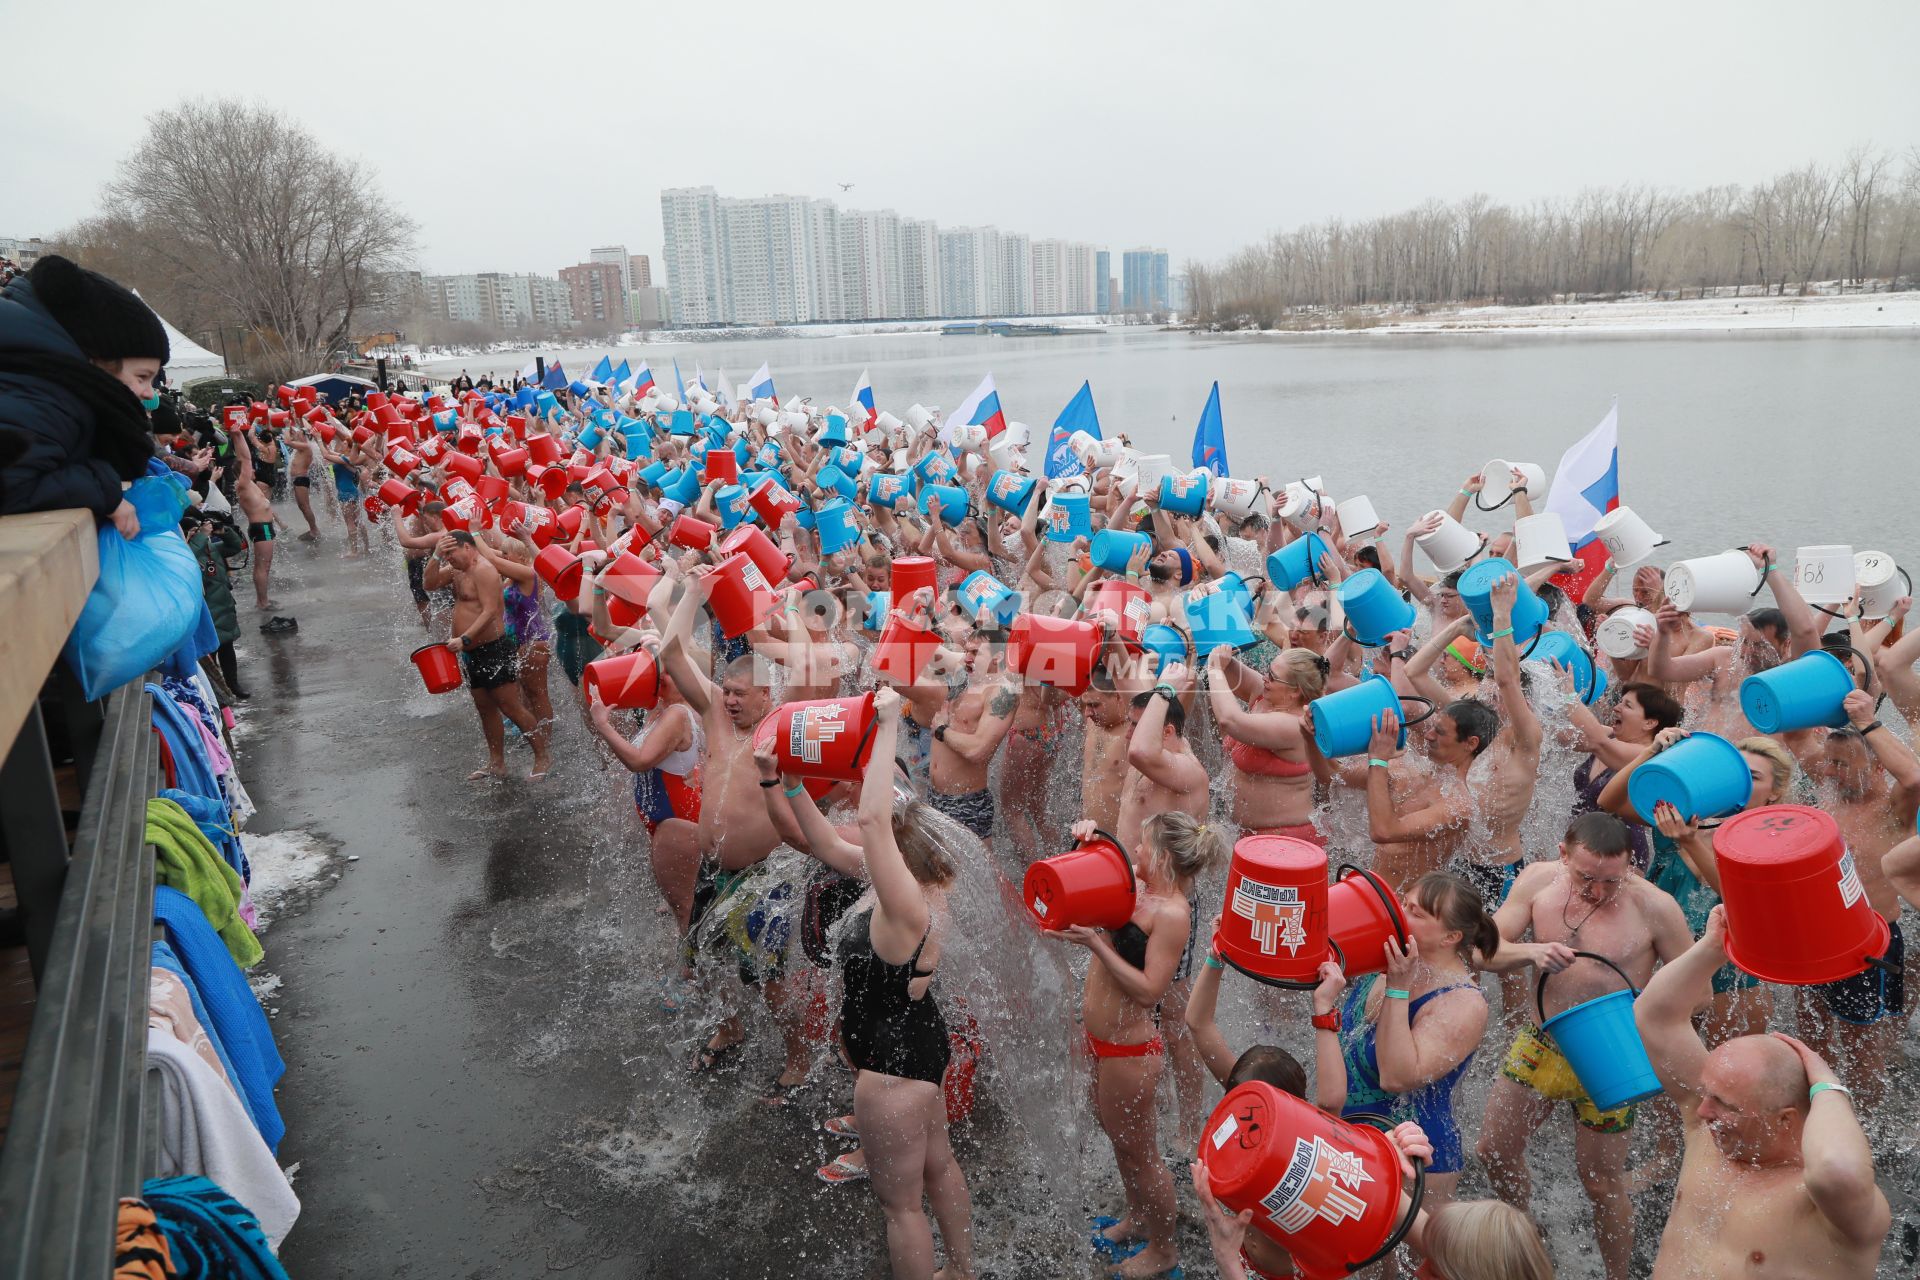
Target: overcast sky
[1194,126]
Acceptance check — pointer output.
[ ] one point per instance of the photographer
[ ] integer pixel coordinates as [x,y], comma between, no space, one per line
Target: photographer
[213,537]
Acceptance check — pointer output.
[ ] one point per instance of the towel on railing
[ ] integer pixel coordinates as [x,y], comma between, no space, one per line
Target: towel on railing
[204,1130]
[216,823]
[180,730]
[190,864]
[233,1013]
[164,958]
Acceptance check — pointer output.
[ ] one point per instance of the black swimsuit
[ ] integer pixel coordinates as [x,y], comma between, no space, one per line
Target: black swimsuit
[883,1027]
[1130,944]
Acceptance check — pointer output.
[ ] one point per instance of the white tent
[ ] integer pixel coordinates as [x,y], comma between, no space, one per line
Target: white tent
[187,360]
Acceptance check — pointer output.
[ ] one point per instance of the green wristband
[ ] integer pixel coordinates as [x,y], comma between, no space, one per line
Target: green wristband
[794,793]
[1395,993]
[1375,762]
[1214,962]
[1504,631]
[1828,1086]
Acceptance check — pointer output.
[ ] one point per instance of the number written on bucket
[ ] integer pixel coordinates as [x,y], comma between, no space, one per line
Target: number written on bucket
[813,728]
[1277,916]
[1320,1182]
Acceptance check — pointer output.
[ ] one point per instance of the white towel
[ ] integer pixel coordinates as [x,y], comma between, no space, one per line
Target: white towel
[205,1129]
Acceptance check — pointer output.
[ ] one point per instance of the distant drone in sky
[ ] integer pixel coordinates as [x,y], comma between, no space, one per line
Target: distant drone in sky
[846,186]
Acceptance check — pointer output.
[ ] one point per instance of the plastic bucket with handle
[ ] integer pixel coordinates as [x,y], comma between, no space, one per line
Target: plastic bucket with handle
[909,574]
[1343,720]
[629,680]
[823,738]
[1185,493]
[1614,635]
[1363,913]
[1128,602]
[1540,540]
[1069,516]
[1530,612]
[1589,682]
[1220,612]
[906,646]
[1090,884]
[1054,651]
[1374,607]
[1599,1041]
[1626,537]
[1796,910]
[1112,549]
[1297,562]
[1703,776]
[438,666]
[1273,926]
[1450,546]
[1805,693]
[1724,583]
[1881,582]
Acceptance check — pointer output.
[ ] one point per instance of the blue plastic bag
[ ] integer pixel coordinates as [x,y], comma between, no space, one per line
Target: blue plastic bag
[147,600]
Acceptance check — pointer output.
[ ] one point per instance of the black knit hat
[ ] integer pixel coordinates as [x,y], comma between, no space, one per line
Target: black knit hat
[107,320]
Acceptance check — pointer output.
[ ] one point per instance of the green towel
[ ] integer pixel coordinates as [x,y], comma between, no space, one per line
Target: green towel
[188,862]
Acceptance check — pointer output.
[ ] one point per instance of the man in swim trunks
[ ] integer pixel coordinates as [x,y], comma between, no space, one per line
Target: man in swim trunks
[1512,765]
[486,651]
[418,535]
[1103,750]
[966,737]
[1588,900]
[258,509]
[303,449]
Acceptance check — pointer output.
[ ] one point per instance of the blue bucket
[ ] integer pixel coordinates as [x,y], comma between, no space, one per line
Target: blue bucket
[879,604]
[1558,646]
[1297,562]
[1220,614]
[524,398]
[849,459]
[1185,495]
[446,420]
[589,437]
[1702,775]
[580,389]
[981,590]
[1530,612]
[835,432]
[1806,693]
[804,517]
[731,502]
[837,481]
[683,486]
[886,489]
[1599,1041]
[935,468]
[769,455]
[953,501]
[1343,721]
[833,523]
[1010,491]
[651,473]
[545,404]
[1374,607]
[1069,516]
[1166,643]
[1111,549]
[682,423]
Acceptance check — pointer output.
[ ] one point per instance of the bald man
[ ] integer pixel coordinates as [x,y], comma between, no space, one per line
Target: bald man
[1778,1177]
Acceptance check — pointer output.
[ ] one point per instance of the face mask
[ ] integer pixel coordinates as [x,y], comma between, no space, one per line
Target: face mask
[151,403]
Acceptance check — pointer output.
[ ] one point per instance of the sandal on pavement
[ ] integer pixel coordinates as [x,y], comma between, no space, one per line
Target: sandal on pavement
[711,1056]
[841,1171]
[842,1127]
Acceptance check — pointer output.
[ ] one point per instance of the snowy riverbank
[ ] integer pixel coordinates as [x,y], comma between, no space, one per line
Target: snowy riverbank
[1848,311]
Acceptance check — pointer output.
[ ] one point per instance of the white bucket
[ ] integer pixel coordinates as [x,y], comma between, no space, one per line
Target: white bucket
[918,416]
[1628,539]
[1020,431]
[1101,453]
[665,404]
[1298,500]
[1713,584]
[887,422]
[1498,475]
[1067,484]
[1451,545]
[1357,517]
[1005,454]
[1540,539]
[971,438]
[899,462]
[1152,468]
[701,401]
[1614,635]
[1824,574]
[1236,498]
[1881,582]
[766,417]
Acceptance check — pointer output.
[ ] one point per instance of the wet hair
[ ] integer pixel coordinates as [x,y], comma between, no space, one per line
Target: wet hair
[1452,581]
[1176,714]
[1488,1240]
[927,857]
[462,537]
[1212,541]
[1473,719]
[1771,621]
[1269,1064]
[1306,670]
[1659,706]
[1100,681]
[1553,596]
[1459,906]
[1368,556]
[1599,833]
[741,666]
[1777,756]
[1189,845]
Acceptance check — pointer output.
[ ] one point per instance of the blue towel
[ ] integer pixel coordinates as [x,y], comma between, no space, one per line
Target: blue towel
[164,958]
[192,769]
[235,1015]
[216,824]
[210,1235]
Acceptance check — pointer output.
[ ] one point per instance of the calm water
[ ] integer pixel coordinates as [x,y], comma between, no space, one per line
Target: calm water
[1796,438]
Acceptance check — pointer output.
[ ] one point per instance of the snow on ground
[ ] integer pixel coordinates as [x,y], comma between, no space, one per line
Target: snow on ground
[1648,315]
[285,863]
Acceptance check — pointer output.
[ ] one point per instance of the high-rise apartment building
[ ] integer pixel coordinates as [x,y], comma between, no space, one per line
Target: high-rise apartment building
[598,291]
[920,295]
[497,299]
[694,251]
[1103,282]
[1145,286]
[639,272]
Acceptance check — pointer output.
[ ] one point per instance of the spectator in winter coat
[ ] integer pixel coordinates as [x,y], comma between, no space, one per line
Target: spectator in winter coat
[214,538]
[78,359]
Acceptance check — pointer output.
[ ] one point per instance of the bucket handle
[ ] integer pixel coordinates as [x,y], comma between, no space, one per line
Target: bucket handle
[1406,1224]
[1340,958]
[1427,715]
[1496,506]
[1098,834]
[1393,917]
[1540,988]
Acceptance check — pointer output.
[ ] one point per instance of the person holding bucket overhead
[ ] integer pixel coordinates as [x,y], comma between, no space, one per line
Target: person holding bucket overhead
[1265,739]
[1641,711]
[487,651]
[1589,901]
[1132,969]
[1392,1047]
[1759,771]
[1419,821]
[1778,1174]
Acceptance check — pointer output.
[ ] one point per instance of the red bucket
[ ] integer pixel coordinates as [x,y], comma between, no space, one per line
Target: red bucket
[772,560]
[1130,603]
[1797,913]
[1327,1190]
[401,461]
[905,648]
[722,464]
[631,680]
[512,462]
[739,595]
[438,667]
[466,466]
[465,513]
[910,573]
[1053,651]
[468,440]
[826,738]
[397,493]
[544,448]
[772,501]
[517,424]
[965,1047]
[376,399]
[560,569]
[1090,884]
[630,579]
[622,614]
[696,535]
[552,480]
[491,490]
[1274,925]
[362,433]
[1362,913]
[375,507]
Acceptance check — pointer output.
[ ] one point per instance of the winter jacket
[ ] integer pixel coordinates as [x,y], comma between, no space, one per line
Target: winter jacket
[57,467]
[212,554]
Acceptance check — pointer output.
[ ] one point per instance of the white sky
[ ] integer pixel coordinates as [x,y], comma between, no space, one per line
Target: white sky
[1194,126]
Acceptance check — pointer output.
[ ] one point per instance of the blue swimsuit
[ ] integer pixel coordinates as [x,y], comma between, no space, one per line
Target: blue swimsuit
[1430,1106]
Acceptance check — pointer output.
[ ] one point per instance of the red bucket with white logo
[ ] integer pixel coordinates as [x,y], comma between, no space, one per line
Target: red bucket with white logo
[1327,1190]
[1363,912]
[630,681]
[1053,651]
[560,569]
[1128,602]
[1796,910]
[1090,884]
[774,504]
[1274,924]
[739,595]
[826,738]
[772,560]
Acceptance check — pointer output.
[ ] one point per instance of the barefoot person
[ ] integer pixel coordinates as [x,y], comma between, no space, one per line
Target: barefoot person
[486,650]
[1589,899]
[258,510]
[1778,1178]
[300,467]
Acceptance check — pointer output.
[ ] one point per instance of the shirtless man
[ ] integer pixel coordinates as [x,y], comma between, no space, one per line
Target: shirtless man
[965,737]
[486,650]
[1589,899]
[1869,781]
[803,638]
[1103,750]
[301,464]
[1513,761]
[1649,592]
[1778,1177]
[697,865]
[1418,821]
[418,535]
[258,509]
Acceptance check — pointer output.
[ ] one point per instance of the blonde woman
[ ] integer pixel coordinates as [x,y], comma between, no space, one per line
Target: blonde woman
[1262,714]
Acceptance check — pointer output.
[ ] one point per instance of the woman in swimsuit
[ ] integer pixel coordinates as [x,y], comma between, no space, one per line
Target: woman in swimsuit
[1641,711]
[1131,971]
[664,757]
[526,620]
[1266,738]
[1392,1048]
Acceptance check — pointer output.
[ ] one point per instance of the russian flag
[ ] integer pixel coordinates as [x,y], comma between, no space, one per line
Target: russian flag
[760,386]
[981,409]
[642,379]
[863,394]
[1586,486]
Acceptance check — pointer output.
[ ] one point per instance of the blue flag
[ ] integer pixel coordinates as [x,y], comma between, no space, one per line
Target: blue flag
[556,377]
[618,378]
[602,372]
[679,383]
[1079,415]
[1210,438]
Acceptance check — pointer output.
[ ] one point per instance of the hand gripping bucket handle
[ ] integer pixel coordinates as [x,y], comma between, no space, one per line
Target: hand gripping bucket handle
[1288,984]
[1406,1223]
[1386,903]
[1431,708]
[1540,988]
